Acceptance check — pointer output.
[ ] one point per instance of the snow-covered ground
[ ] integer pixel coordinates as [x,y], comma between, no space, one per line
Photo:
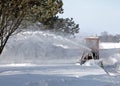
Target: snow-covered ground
[44,59]
[56,75]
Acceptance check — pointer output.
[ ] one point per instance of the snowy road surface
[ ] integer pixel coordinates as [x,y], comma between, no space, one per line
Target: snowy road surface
[55,75]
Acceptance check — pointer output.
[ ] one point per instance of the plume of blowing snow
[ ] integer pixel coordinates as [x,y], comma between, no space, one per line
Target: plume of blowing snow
[41,47]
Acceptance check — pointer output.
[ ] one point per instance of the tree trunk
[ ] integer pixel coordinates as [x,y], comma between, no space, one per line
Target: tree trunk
[4,43]
[1,49]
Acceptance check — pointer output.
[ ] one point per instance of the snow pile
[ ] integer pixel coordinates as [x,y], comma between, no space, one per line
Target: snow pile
[93,63]
[41,47]
[110,53]
[108,45]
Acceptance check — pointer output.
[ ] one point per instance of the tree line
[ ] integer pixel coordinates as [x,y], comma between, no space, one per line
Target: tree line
[105,37]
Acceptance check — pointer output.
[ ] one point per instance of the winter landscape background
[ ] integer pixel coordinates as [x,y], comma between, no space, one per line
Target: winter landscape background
[42,43]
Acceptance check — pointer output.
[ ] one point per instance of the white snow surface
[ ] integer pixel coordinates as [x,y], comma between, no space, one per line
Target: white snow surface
[109,45]
[44,59]
[56,75]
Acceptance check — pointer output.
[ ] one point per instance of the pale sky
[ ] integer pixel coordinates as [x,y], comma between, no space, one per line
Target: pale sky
[94,16]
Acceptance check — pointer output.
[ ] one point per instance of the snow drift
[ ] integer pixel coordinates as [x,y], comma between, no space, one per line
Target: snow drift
[110,53]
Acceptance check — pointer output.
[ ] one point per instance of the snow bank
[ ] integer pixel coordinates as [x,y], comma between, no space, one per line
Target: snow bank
[93,63]
[109,45]
[110,53]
